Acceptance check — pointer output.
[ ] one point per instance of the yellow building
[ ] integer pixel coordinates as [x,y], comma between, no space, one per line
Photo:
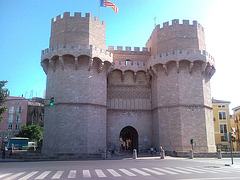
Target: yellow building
[236,112]
[222,125]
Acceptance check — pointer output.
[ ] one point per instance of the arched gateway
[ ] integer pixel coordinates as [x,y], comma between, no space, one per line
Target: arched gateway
[128,138]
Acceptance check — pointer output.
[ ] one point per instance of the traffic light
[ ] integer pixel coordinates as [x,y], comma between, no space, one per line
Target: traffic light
[230,137]
[191,141]
[51,101]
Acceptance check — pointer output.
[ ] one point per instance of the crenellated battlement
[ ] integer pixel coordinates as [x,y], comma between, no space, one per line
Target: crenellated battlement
[73,46]
[180,56]
[76,29]
[182,36]
[177,55]
[175,23]
[76,50]
[130,65]
[76,16]
[127,49]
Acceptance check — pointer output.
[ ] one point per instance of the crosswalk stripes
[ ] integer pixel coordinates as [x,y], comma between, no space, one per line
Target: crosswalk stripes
[100,173]
[121,172]
[127,172]
[57,175]
[43,175]
[180,171]
[165,171]
[3,175]
[15,176]
[28,175]
[86,174]
[114,173]
[140,172]
[191,170]
[72,174]
[153,171]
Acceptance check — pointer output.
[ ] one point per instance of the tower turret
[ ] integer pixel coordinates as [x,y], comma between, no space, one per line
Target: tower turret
[181,71]
[76,29]
[176,37]
[76,65]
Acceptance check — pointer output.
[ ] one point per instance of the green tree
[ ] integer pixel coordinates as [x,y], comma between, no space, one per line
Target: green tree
[33,132]
[3,95]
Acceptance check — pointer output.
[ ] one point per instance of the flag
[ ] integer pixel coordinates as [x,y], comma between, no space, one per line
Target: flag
[106,3]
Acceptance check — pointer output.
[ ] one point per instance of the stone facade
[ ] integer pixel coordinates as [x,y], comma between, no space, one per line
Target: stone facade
[155,96]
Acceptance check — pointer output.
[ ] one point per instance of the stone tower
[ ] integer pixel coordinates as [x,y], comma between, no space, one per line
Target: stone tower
[76,65]
[181,70]
[106,99]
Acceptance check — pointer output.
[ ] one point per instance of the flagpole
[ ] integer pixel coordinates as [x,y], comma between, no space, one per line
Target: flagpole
[99,9]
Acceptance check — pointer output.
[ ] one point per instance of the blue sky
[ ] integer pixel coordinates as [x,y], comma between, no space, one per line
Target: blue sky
[25,31]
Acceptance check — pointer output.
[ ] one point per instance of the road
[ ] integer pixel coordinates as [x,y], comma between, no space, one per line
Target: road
[141,169]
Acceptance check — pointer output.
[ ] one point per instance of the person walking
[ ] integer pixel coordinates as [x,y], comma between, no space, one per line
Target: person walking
[160,151]
[151,149]
[3,153]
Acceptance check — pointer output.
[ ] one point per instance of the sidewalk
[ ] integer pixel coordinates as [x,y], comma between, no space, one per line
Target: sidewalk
[144,156]
[11,160]
[223,161]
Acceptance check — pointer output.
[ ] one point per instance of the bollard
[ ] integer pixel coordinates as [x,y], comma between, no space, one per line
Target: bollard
[162,154]
[191,154]
[104,154]
[134,154]
[219,154]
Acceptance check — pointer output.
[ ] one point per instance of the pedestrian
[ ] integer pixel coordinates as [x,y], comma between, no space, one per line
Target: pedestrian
[3,153]
[151,149]
[10,154]
[160,151]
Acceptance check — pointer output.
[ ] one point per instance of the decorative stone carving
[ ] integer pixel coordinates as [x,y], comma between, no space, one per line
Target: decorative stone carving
[204,68]
[122,76]
[165,69]
[177,66]
[134,76]
[76,63]
[100,68]
[61,62]
[190,67]
[51,63]
[90,63]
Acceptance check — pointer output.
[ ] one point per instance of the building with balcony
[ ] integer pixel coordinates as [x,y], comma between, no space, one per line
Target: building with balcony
[20,112]
[236,117]
[14,118]
[222,125]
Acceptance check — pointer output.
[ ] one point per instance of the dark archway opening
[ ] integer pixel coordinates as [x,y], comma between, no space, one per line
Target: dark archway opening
[128,139]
